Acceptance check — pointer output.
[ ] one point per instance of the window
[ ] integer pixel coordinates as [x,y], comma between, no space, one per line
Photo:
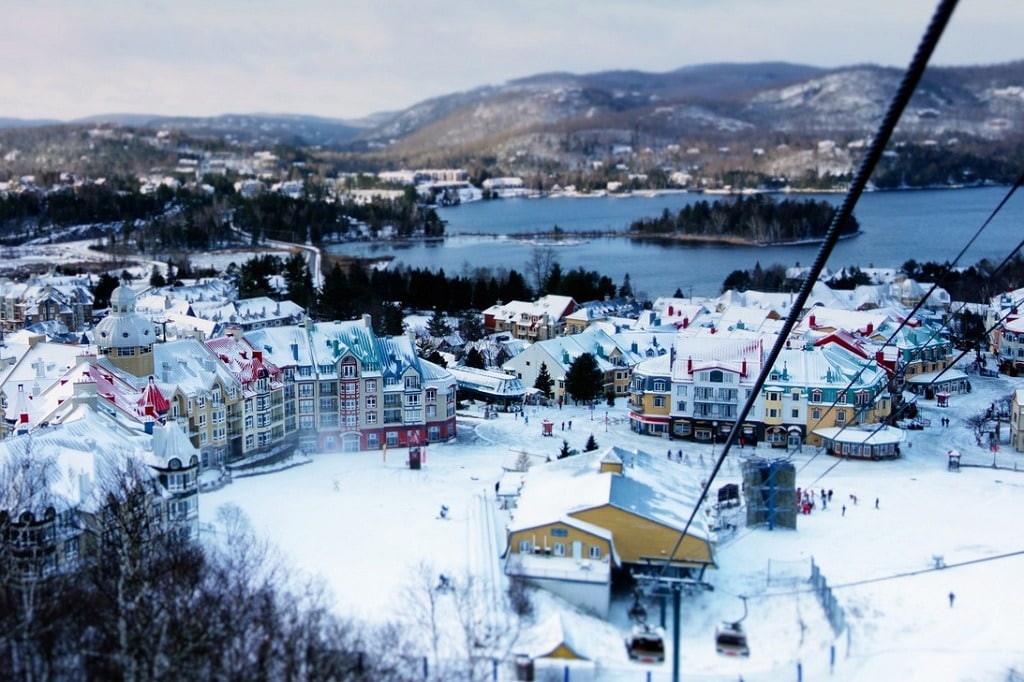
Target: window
[559,532]
[392,438]
[558,549]
[840,416]
[348,371]
[371,417]
[306,390]
[371,402]
[659,401]
[594,552]
[816,395]
[795,397]
[659,385]
[371,385]
[841,398]
[525,546]
[815,413]
[796,413]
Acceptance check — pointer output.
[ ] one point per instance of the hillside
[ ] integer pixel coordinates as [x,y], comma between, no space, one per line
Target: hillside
[567,118]
[739,124]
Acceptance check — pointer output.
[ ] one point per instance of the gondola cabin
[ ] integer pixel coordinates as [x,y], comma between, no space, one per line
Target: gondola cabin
[730,640]
[646,644]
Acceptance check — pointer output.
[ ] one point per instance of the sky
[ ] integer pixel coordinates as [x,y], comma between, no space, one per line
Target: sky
[65,59]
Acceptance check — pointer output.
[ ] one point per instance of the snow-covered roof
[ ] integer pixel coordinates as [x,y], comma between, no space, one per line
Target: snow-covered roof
[650,487]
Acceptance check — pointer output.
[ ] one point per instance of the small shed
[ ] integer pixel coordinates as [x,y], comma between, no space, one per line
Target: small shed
[953,461]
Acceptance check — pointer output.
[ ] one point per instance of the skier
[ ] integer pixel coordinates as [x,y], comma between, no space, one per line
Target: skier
[951,598]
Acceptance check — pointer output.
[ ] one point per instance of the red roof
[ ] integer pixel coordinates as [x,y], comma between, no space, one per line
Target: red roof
[152,400]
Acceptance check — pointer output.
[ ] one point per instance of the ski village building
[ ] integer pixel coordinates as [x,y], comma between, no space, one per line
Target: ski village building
[182,407]
[581,519]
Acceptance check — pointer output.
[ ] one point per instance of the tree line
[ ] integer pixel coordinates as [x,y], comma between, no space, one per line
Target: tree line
[977,283]
[199,217]
[350,291]
[756,218]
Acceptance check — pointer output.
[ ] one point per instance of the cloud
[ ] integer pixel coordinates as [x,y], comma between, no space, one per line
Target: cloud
[69,59]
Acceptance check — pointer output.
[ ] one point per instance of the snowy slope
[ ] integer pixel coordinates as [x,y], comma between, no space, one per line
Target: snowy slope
[367,538]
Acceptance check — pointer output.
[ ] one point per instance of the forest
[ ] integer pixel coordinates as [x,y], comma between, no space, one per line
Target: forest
[755,218]
[206,216]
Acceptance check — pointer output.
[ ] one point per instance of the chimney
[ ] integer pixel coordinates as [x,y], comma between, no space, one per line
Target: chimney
[812,323]
[743,369]
[869,329]
[295,352]
[165,368]
[686,322]
[689,365]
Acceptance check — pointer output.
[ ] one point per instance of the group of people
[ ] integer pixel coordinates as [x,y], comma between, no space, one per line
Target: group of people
[807,499]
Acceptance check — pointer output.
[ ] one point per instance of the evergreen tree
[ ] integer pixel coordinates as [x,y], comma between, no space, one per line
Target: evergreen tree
[584,380]
[391,320]
[102,289]
[438,325]
[544,382]
[475,359]
[591,444]
[298,282]
[156,279]
[471,326]
[565,451]
[626,290]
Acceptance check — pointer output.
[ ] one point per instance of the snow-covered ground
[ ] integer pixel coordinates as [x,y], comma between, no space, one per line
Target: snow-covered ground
[366,524]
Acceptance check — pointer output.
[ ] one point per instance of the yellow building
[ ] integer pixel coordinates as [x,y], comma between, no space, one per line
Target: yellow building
[580,519]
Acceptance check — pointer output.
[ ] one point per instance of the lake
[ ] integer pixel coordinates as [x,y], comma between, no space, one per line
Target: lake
[924,225]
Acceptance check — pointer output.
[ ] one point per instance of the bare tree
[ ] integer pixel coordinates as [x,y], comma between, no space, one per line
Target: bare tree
[540,265]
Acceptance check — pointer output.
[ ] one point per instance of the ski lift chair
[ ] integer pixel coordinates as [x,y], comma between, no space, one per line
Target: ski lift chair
[730,639]
[646,644]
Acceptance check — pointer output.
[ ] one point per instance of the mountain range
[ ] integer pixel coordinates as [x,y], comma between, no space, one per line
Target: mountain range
[566,118]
